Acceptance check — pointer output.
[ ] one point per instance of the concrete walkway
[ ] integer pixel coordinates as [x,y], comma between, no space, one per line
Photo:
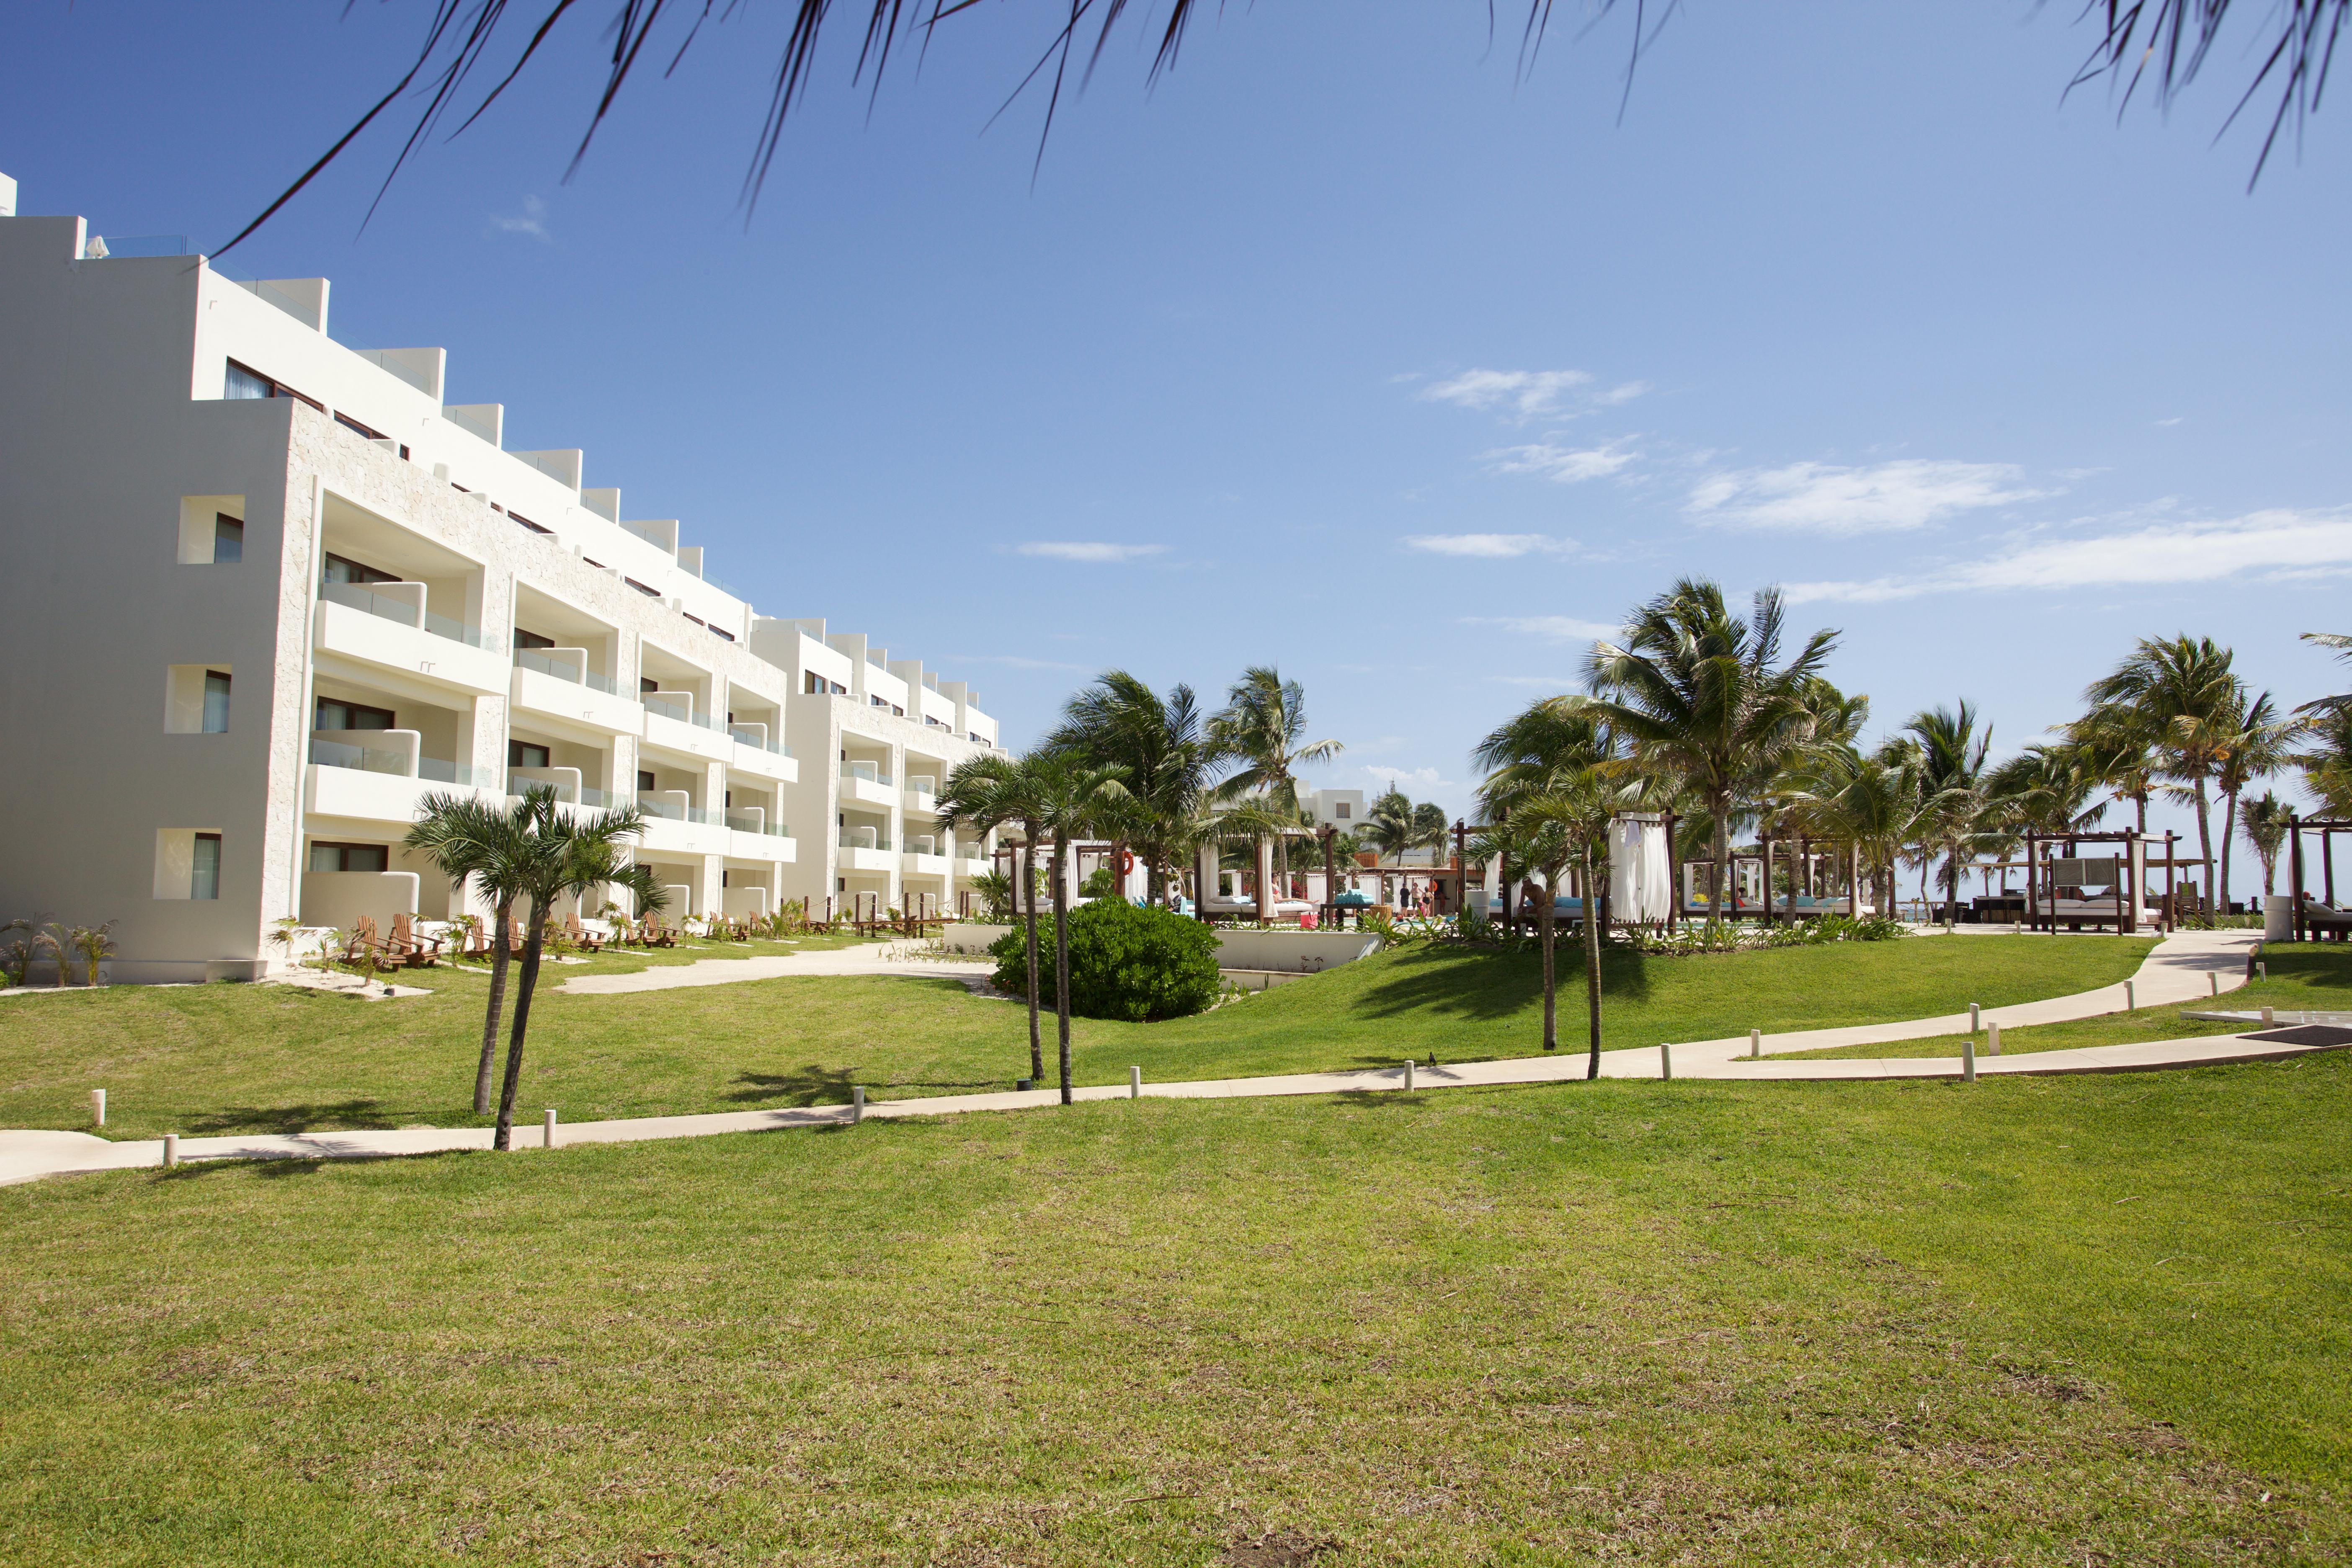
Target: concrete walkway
[890,958]
[2182,969]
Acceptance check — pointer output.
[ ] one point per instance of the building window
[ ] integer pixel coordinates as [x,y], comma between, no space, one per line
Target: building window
[216,702]
[524,754]
[204,868]
[245,382]
[348,423]
[531,639]
[512,516]
[647,683]
[349,858]
[645,779]
[341,569]
[640,587]
[334,715]
[1341,810]
[228,538]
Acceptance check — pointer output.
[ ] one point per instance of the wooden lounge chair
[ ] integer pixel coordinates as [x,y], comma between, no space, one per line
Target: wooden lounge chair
[580,935]
[657,934]
[408,947]
[2323,919]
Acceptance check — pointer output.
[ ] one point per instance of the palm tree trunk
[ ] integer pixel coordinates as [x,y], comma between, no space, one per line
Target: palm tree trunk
[2229,837]
[2205,840]
[1593,977]
[530,950]
[1543,927]
[1029,884]
[1952,900]
[1062,963]
[1722,808]
[497,1005]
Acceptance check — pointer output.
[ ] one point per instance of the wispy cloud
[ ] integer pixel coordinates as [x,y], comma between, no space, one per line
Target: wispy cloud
[1529,393]
[1489,546]
[1565,463]
[532,220]
[2281,542]
[1409,779]
[1092,552]
[1884,497]
[1557,628]
[2174,420]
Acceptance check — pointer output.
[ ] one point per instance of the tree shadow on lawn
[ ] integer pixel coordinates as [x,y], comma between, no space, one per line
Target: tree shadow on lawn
[339,1116]
[1489,986]
[816,1085]
[2320,970]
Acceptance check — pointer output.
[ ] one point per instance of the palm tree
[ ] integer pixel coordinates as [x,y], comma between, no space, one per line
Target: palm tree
[1070,795]
[96,944]
[2327,765]
[2259,744]
[1952,779]
[1163,744]
[2118,748]
[1263,726]
[2342,644]
[1550,783]
[1700,695]
[567,858]
[2264,824]
[2181,693]
[1870,803]
[992,792]
[1389,826]
[489,848]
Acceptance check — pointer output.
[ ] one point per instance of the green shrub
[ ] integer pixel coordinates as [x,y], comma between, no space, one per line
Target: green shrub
[1138,964]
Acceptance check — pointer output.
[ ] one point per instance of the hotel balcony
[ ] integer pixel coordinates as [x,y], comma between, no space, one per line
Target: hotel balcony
[386,623]
[557,681]
[671,721]
[867,784]
[383,780]
[757,838]
[923,855]
[673,826]
[865,849]
[759,752]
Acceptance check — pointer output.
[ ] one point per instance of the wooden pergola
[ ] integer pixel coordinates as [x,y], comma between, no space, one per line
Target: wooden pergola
[2327,828]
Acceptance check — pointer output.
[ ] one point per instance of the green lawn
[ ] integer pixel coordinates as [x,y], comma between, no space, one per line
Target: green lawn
[225,1058]
[2032,1321]
[2309,978]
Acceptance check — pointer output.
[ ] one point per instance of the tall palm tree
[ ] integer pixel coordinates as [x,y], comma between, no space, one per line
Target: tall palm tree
[1163,744]
[490,848]
[2116,746]
[1069,798]
[1870,803]
[1263,726]
[1389,826]
[2264,824]
[2342,701]
[2259,744]
[2327,764]
[1952,780]
[568,858]
[991,792]
[2182,694]
[1551,785]
[1701,695]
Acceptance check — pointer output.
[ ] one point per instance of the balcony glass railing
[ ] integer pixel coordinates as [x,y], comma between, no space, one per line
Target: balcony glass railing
[866,770]
[867,840]
[649,536]
[367,758]
[670,811]
[402,611]
[676,705]
[758,741]
[744,822]
[439,772]
[527,659]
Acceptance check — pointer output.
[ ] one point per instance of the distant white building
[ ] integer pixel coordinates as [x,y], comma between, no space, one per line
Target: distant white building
[264,592]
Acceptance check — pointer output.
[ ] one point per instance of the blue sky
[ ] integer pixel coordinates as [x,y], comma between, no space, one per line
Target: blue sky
[1340,349]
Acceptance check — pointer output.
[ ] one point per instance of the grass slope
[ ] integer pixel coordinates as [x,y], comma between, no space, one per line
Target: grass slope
[2033,1321]
[223,1058]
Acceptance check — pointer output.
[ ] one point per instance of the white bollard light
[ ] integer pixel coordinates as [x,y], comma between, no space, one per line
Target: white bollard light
[2131,997]
[1135,1083]
[547,1129]
[2263,968]
[171,1150]
[2270,1019]
[2213,982]
[1666,1060]
[856,1103]
[1992,1039]
[1968,1058]
[1976,1017]
[1407,1075]
[98,1108]
[1755,1043]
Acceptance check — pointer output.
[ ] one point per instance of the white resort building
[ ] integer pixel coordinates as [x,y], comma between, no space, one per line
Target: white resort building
[264,592]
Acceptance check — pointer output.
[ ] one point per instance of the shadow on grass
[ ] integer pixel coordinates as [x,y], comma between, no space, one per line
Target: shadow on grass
[815,1085]
[2322,970]
[339,1116]
[1488,986]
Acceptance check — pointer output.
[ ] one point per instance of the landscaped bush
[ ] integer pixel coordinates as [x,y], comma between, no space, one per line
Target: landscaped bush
[1137,965]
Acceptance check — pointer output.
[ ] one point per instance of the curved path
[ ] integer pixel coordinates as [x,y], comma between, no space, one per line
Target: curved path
[2183,968]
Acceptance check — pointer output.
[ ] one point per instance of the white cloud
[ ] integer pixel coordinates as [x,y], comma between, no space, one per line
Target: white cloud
[1409,779]
[1489,546]
[1885,498]
[532,220]
[1090,551]
[1559,629]
[1530,393]
[2277,544]
[1567,465]
[2174,420]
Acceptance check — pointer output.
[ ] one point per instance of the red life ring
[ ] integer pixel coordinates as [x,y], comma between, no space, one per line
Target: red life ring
[1126,863]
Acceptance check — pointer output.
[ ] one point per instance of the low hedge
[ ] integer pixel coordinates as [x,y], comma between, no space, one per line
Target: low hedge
[1140,964]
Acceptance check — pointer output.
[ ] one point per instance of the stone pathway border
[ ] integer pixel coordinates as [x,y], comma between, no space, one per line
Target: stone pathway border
[2184,967]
